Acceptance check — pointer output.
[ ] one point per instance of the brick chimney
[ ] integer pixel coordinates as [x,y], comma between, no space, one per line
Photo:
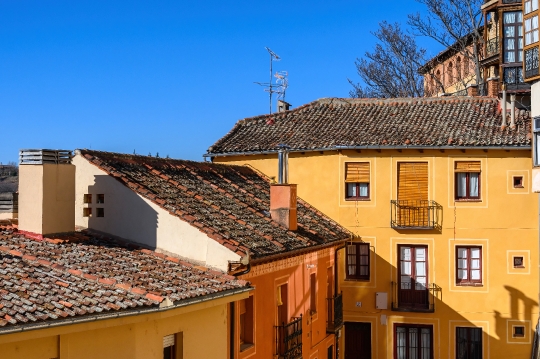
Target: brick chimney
[46,192]
[283,194]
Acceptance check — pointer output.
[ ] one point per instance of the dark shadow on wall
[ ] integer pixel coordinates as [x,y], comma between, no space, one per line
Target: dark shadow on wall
[123,213]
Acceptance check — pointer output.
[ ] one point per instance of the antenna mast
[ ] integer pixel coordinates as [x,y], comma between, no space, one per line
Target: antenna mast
[281,80]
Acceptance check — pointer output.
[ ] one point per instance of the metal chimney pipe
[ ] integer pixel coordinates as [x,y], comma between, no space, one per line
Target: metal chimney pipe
[512,110]
[504,105]
[281,154]
[283,164]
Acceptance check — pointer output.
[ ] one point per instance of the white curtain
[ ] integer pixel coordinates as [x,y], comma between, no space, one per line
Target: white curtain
[461,185]
[475,263]
[473,184]
[363,189]
[509,17]
[351,189]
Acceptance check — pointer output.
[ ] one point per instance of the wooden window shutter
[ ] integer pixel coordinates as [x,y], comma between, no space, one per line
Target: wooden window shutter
[467,166]
[357,172]
[413,181]
[168,341]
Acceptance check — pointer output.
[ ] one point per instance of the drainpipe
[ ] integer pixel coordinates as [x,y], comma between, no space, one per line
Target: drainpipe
[503,105]
[512,110]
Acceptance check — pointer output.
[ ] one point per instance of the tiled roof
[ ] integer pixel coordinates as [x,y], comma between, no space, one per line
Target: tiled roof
[229,203]
[335,123]
[78,275]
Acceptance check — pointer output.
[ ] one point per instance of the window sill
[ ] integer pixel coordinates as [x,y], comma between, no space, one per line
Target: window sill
[519,267]
[246,346]
[519,187]
[357,280]
[469,284]
[468,200]
[357,199]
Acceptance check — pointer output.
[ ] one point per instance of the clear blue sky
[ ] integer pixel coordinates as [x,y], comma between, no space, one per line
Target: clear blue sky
[168,76]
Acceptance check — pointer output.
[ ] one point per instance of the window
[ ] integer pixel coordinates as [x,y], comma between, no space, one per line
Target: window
[513,36]
[469,265]
[467,180]
[87,212]
[358,261]
[459,69]
[313,293]
[518,262]
[518,181]
[450,74]
[518,331]
[100,212]
[413,341]
[357,180]
[413,277]
[246,323]
[100,198]
[87,198]
[173,346]
[468,343]
[530,6]
[531,30]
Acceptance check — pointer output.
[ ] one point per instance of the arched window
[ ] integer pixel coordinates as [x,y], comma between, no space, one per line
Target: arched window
[466,65]
[450,74]
[459,72]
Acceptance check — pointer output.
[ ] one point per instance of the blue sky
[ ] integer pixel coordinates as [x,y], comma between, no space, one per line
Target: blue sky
[168,77]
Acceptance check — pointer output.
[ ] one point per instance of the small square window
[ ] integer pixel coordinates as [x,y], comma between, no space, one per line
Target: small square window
[519,332]
[100,212]
[518,262]
[87,212]
[87,198]
[100,198]
[518,181]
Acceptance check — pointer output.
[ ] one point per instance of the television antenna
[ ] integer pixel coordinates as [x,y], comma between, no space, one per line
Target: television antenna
[281,84]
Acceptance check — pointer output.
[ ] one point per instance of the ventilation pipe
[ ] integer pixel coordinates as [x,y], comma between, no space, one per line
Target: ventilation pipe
[512,110]
[503,105]
[283,164]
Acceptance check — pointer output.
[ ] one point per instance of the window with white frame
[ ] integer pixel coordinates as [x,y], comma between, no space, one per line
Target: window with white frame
[531,30]
[530,6]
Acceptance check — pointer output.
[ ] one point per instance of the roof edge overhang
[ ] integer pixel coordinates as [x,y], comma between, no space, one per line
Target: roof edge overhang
[371,147]
[120,314]
[296,252]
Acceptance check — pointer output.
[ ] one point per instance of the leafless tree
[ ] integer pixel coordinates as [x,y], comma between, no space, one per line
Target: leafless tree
[391,69]
[456,25]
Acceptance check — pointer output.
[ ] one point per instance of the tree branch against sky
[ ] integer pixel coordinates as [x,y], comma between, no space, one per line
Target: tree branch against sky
[391,70]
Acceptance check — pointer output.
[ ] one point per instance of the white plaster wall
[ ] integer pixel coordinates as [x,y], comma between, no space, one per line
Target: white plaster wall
[131,216]
[535,99]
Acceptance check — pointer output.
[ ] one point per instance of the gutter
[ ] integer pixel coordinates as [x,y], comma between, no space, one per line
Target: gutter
[372,147]
[120,314]
[297,252]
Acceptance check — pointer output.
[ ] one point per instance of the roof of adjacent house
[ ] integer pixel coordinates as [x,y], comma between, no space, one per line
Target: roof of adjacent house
[229,203]
[80,275]
[336,123]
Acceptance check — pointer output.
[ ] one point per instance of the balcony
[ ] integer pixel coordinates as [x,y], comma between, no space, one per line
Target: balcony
[335,313]
[492,47]
[513,79]
[289,339]
[416,214]
[414,297]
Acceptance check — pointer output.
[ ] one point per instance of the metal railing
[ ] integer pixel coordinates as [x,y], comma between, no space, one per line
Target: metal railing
[415,214]
[492,47]
[421,301]
[289,339]
[9,202]
[335,313]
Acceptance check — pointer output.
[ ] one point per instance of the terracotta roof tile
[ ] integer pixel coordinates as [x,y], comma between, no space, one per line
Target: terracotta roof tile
[335,123]
[228,203]
[81,274]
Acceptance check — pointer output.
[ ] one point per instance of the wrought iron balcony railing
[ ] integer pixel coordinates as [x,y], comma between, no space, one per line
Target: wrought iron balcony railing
[492,47]
[289,339]
[416,214]
[411,296]
[335,313]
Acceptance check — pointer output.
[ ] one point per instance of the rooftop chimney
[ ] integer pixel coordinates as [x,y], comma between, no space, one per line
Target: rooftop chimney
[283,106]
[46,192]
[283,194]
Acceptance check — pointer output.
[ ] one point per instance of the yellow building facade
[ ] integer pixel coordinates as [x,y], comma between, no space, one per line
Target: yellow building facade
[501,223]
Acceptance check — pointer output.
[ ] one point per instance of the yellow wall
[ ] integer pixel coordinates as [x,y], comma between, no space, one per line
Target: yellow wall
[504,223]
[132,337]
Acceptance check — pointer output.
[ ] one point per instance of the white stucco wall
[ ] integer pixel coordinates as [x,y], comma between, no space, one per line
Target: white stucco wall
[131,216]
